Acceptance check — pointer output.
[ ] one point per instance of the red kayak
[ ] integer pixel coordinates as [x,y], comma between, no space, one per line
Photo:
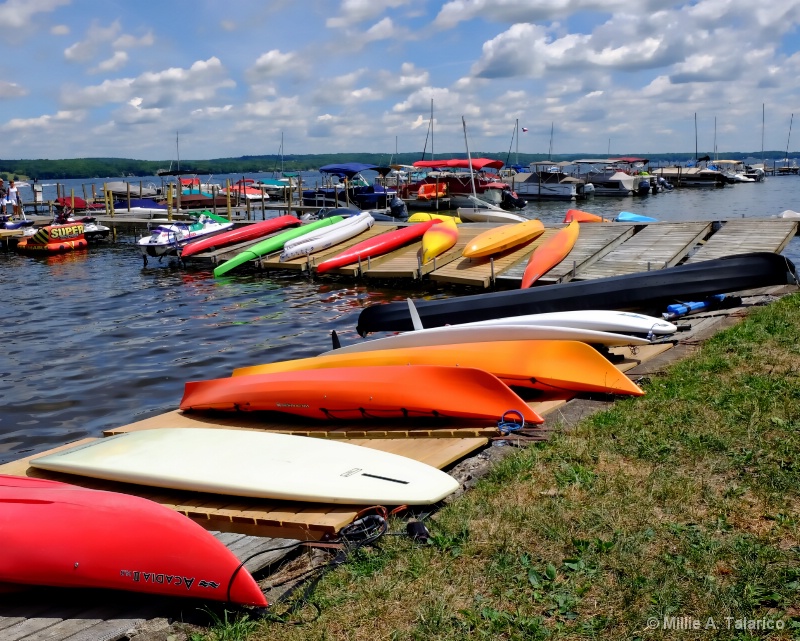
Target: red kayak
[62,535]
[376,246]
[239,235]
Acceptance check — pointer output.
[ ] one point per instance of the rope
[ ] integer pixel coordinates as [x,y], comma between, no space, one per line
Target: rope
[507,426]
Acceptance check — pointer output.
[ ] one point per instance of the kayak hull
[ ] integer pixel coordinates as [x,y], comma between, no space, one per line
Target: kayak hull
[546,365]
[240,235]
[363,392]
[652,289]
[550,253]
[62,535]
[438,239]
[493,241]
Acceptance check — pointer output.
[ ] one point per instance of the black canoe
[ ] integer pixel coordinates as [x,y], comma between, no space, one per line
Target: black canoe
[633,291]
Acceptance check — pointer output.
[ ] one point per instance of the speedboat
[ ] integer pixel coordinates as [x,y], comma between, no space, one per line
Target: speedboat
[167,238]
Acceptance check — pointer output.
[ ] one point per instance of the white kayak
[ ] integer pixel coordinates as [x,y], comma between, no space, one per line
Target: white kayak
[333,235]
[477,215]
[474,333]
[595,319]
[256,464]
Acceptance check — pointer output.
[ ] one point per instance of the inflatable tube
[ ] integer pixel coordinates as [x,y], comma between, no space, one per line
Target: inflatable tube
[55,239]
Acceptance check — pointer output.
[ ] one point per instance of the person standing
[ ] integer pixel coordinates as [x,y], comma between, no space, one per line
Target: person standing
[3,195]
[12,199]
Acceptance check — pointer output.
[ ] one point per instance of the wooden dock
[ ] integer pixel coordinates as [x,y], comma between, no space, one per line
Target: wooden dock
[248,526]
[602,250]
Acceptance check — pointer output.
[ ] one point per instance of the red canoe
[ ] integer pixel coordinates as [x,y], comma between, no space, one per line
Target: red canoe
[550,253]
[376,246]
[62,535]
[396,391]
[239,235]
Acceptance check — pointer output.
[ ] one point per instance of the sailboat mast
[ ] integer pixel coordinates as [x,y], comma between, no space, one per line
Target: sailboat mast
[516,130]
[762,137]
[432,158]
[787,140]
[466,144]
[178,149]
[695,137]
[281,153]
[550,151]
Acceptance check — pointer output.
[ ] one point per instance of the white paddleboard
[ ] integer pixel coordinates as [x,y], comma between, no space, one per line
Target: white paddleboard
[473,333]
[600,320]
[255,464]
[322,231]
[488,216]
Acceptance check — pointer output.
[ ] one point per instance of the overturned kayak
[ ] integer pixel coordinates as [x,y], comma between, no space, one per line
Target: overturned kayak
[272,244]
[631,291]
[62,535]
[545,365]
[347,393]
[240,235]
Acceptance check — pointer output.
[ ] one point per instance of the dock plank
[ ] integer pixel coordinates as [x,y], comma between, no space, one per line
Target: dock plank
[656,246]
[739,236]
[595,240]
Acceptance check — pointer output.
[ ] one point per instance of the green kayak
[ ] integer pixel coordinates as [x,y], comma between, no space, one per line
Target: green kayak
[272,244]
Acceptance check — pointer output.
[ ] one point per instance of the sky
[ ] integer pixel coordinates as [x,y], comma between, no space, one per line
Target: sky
[203,79]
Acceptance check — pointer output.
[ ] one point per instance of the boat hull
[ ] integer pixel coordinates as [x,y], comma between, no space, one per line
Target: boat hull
[241,235]
[377,246]
[651,289]
[438,239]
[256,464]
[62,535]
[410,391]
[550,253]
[493,241]
[545,365]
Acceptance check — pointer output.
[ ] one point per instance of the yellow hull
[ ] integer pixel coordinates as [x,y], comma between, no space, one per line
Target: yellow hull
[438,239]
[544,365]
[494,241]
[422,216]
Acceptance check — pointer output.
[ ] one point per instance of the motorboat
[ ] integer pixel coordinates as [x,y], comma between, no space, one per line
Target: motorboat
[168,238]
[548,181]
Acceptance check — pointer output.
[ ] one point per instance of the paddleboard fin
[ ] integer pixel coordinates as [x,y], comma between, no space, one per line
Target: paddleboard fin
[415,319]
[335,339]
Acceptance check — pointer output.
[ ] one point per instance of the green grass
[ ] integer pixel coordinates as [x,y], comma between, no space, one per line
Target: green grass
[681,503]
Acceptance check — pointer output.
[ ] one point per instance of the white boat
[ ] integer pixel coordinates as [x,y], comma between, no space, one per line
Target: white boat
[547,181]
[474,333]
[256,464]
[167,238]
[487,215]
[333,235]
[593,319]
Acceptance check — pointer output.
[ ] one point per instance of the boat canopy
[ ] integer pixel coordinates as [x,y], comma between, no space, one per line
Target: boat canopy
[461,163]
[610,161]
[347,170]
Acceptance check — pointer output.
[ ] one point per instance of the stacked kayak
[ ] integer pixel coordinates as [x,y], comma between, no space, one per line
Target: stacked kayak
[494,241]
[324,238]
[272,244]
[545,365]
[347,393]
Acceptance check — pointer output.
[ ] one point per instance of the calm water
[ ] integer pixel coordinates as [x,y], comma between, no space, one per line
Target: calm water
[93,340]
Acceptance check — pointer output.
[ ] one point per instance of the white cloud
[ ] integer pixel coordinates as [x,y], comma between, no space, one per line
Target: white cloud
[128,41]
[11,90]
[352,12]
[44,123]
[59,30]
[275,63]
[113,63]
[18,14]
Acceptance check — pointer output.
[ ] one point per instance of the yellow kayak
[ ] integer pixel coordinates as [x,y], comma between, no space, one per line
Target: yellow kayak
[547,365]
[422,216]
[496,240]
[438,239]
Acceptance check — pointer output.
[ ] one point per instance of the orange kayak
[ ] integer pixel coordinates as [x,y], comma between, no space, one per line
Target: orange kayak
[550,253]
[438,239]
[404,391]
[496,240]
[544,365]
[583,217]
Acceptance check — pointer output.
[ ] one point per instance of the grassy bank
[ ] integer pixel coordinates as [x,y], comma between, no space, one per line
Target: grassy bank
[676,508]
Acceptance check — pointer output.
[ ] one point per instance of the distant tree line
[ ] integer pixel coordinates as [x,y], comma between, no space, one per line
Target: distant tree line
[43,169]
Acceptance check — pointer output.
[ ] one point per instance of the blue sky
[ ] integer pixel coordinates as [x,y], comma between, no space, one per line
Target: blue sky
[85,78]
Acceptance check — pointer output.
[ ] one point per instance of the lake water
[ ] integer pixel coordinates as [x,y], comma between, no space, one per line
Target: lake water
[94,340]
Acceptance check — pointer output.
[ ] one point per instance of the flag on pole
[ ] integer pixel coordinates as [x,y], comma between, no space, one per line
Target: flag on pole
[524,129]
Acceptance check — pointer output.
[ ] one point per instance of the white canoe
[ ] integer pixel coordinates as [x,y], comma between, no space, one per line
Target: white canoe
[473,333]
[255,464]
[600,320]
[334,235]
